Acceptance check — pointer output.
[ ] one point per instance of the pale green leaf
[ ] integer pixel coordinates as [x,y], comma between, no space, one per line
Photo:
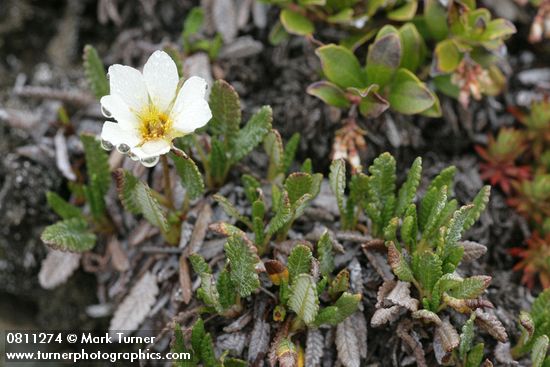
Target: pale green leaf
[299,261]
[303,298]
[138,198]
[341,66]
[296,23]
[325,255]
[69,235]
[408,94]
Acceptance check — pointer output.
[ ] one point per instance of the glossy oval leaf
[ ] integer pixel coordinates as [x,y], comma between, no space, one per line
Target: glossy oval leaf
[341,66]
[383,59]
[329,93]
[296,23]
[408,95]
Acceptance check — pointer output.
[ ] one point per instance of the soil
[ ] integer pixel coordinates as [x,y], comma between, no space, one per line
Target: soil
[276,76]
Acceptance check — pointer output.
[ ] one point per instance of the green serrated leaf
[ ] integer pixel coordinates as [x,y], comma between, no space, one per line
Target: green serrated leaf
[467,337]
[303,298]
[456,225]
[218,161]
[208,356]
[408,190]
[251,186]
[69,235]
[344,307]
[199,265]
[138,198]
[273,146]
[252,134]
[197,335]
[437,208]
[95,72]
[299,261]
[282,216]
[61,207]
[178,346]
[479,203]
[475,356]
[226,289]
[427,269]
[290,150]
[470,288]
[97,162]
[226,111]
[243,263]
[381,191]
[191,178]
[399,264]
[325,255]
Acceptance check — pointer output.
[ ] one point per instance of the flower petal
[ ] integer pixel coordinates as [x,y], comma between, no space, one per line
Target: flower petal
[116,135]
[153,148]
[191,110]
[128,84]
[120,111]
[160,74]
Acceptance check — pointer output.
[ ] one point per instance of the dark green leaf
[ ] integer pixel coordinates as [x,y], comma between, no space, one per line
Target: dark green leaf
[95,72]
[252,134]
[191,178]
[242,262]
[61,207]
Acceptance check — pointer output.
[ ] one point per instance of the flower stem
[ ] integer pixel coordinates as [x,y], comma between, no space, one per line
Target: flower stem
[167,182]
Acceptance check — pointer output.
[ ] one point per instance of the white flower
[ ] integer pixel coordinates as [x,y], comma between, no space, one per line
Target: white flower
[150,110]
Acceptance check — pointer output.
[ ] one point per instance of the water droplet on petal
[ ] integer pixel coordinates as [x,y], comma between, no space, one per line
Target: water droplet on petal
[106,112]
[123,148]
[133,156]
[150,161]
[106,145]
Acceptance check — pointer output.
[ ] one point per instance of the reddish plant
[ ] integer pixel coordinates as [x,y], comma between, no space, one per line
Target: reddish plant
[500,158]
[535,260]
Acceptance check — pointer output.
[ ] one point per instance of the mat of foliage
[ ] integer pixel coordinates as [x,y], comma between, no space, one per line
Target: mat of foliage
[46,104]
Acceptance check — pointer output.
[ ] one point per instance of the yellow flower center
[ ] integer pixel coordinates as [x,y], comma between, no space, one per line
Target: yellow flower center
[154,124]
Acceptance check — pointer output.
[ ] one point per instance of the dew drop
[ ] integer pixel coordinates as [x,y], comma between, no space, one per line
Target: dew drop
[106,112]
[150,161]
[123,148]
[106,145]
